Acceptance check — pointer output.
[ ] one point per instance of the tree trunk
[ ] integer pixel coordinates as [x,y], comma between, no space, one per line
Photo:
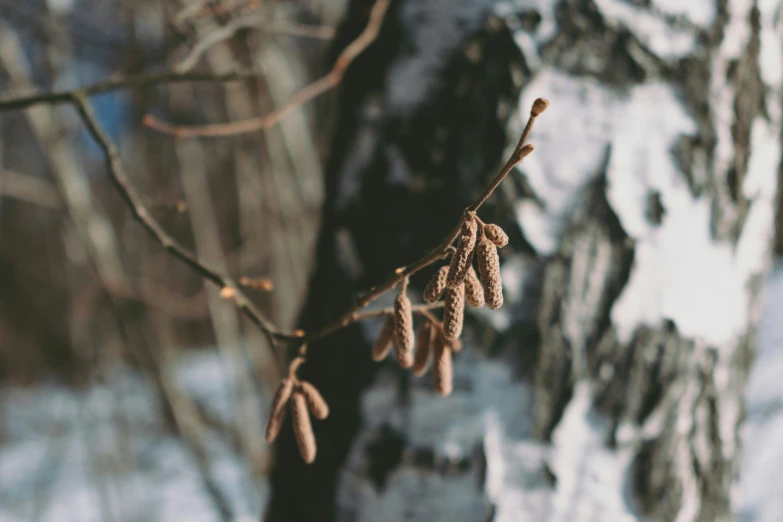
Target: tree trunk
[609,385]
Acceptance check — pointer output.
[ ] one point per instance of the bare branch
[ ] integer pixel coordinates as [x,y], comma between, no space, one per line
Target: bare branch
[250,22]
[113,84]
[231,289]
[318,87]
[143,216]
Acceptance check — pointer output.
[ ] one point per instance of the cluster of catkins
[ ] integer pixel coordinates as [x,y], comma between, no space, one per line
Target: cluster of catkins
[434,343]
[456,284]
[299,396]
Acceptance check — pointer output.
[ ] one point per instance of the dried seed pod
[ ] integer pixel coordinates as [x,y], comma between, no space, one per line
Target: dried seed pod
[403,330]
[423,347]
[303,430]
[277,415]
[315,401]
[474,292]
[442,369]
[383,343]
[453,312]
[463,257]
[434,289]
[496,234]
[489,268]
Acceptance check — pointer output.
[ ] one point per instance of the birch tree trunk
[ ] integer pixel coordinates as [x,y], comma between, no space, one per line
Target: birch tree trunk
[609,387]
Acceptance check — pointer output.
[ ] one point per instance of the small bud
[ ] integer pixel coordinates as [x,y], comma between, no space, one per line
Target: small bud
[463,257]
[489,269]
[474,292]
[277,414]
[383,343]
[403,330]
[453,312]
[539,106]
[314,399]
[303,430]
[496,234]
[423,346]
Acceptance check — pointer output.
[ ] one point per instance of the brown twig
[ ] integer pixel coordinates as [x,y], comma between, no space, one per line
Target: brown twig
[143,216]
[113,84]
[308,93]
[223,33]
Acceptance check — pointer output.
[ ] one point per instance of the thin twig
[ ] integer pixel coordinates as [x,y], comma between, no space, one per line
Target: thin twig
[227,31]
[113,84]
[308,93]
[141,214]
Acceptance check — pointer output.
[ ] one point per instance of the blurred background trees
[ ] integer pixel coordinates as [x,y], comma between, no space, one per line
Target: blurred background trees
[610,386]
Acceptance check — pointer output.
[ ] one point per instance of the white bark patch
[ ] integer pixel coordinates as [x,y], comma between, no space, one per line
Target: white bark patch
[699,13]
[570,140]
[590,477]
[666,41]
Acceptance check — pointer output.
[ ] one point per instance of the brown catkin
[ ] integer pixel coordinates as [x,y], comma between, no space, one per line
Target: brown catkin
[303,430]
[434,289]
[277,415]
[496,234]
[463,257]
[383,343]
[423,345]
[315,401]
[489,269]
[474,292]
[453,312]
[403,330]
[441,369]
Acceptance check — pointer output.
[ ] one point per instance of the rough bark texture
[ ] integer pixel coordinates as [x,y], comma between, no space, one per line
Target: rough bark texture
[638,236]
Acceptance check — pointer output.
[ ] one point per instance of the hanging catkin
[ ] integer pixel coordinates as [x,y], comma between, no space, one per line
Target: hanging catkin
[277,415]
[303,430]
[474,292]
[315,401]
[403,330]
[441,369]
[434,289]
[383,343]
[496,234]
[462,258]
[423,346]
[489,269]
[453,311]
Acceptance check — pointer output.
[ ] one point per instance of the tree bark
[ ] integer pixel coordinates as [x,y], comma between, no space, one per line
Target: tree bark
[609,387]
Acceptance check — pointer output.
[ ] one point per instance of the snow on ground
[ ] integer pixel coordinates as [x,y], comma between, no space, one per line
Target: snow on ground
[103,454]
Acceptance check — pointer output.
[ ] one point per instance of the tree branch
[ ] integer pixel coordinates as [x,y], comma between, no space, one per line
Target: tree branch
[141,80]
[143,216]
[230,288]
